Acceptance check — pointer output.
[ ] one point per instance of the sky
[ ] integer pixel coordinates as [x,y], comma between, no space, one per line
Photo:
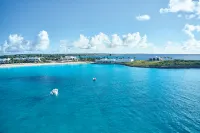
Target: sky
[100,26]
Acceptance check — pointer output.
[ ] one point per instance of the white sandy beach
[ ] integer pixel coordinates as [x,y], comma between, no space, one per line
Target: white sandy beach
[39,64]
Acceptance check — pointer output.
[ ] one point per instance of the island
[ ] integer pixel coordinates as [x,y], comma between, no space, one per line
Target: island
[53,59]
[164,64]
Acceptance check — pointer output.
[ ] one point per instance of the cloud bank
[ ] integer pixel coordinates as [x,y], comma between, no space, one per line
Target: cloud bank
[189,46]
[191,7]
[136,43]
[103,43]
[16,43]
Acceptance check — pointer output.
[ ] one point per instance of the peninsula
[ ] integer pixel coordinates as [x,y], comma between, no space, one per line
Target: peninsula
[165,64]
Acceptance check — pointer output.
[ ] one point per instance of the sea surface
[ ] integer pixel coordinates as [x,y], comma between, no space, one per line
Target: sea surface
[122,99]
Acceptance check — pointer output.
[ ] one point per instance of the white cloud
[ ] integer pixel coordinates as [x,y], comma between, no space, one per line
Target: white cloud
[190,46]
[100,41]
[198,8]
[17,43]
[82,43]
[186,6]
[135,40]
[116,41]
[190,16]
[42,41]
[189,29]
[135,43]
[105,43]
[64,46]
[128,43]
[172,48]
[178,6]
[143,17]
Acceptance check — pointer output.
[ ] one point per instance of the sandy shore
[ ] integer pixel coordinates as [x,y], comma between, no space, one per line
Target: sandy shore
[39,64]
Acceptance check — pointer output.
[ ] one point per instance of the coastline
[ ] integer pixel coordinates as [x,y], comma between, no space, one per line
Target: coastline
[40,64]
[172,64]
[165,67]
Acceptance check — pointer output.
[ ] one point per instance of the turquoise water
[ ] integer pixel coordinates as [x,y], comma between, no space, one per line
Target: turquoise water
[122,100]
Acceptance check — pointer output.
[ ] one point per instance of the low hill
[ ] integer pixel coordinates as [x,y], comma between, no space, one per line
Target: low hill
[165,64]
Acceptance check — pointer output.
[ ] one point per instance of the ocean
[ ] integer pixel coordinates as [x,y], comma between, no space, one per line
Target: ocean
[122,99]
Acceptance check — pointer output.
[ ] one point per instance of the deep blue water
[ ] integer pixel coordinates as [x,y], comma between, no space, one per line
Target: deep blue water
[122,100]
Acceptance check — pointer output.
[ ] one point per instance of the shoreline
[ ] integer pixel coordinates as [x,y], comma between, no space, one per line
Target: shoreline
[171,64]
[40,64]
[157,67]
[165,67]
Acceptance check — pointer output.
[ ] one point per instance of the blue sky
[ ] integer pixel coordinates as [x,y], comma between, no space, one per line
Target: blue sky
[122,26]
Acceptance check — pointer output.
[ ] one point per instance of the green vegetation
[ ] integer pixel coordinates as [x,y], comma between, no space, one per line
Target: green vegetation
[46,58]
[165,64]
[87,59]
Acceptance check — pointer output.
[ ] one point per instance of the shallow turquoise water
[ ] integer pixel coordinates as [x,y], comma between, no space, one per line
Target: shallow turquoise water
[122,100]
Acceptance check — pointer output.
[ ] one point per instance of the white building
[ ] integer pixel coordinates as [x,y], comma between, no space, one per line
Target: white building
[124,60]
[20,59]
[34,59]
[69,58]
[105,60]
[4,60]
[157,58]
[29,59]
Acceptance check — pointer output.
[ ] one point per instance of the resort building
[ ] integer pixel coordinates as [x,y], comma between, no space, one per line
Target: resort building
[28,59]
[156,59]
[19,59]
[123,60]
[69,58]
[106,60]
[4,60]
[160,58]
[34,59]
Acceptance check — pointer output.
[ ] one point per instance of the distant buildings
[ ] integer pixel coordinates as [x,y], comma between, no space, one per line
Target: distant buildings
[156,59]
[19,60]
[123,60]
[160,58]
[69,58]
[106,60]
[28,59]
[4,60]
[34,59]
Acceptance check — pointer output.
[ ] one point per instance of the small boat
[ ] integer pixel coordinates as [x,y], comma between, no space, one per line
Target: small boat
[94,79]
[54,92]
